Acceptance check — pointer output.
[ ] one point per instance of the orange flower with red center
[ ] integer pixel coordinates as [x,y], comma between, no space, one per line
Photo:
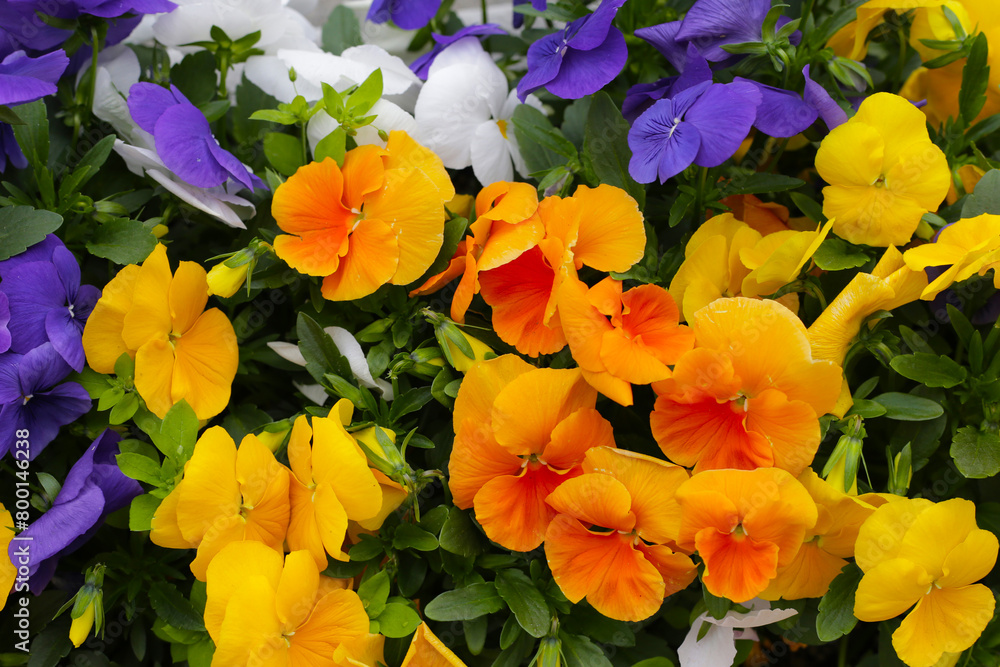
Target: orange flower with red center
[520,432]
[748,395]
[600,228]
[622,339]
[609,541]
[377,220]
[745,524]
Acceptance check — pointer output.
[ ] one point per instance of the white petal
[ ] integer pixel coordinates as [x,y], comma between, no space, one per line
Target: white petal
[716,649]
[318,127]
[390,117]
[466,51]
[399,84]
[349,346]
[314,392]
[316,68]
[755,618]
[491,155]
[216,204]
[288,351]
[270,74]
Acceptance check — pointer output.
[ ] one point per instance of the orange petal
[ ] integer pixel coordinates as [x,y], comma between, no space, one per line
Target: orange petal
[370,262]
[807,576]
[225,530]
[206,358]
[513,511]
[466,289]
[264,487]
[583,325]
[455,268]
[364,173]
[426,650]
[338,617]
[791,428]
[164,530]
[605,568]
[209,489]
[187,296]
[736,566]
[405,153]
[629,359]
[476,458]
[250,633]
[575,435]
[596,500]
[651,315]
[616,389]
[611,236]
[303,527]
[154,369]
[676,569]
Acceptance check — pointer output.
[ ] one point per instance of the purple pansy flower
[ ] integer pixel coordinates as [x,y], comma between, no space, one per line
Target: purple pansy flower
[25,79]
[70,9]
[184,139]
[21,29]
[781,113]
[693,70]
[703,125]
[4,320]
[94,488]
[407,14]
[31,397]
[10,150]
[818,98]
[712,24]
[47,303]
[579,60]
[540,5]
[422,65]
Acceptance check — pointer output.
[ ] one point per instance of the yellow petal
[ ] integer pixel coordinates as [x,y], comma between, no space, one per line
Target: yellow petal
[946,620]
[154,369]
[206,358]
[411,205]
[296,590]
[338,465]
[426,650]
[251,632]
[889,589]
[148,317]
[264,487]
[210,488]
[228,573]
[187,296]
[936,532]
[339,616]
[102,337]
[881,536]
[611,236]
[971,560]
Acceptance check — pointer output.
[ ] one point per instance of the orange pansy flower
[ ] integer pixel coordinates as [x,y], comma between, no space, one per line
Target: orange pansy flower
[624,567]
[226,495]
[600,228]
[377,220]
[748,395]
[520,431]
[156,317]
[745,524]
[635,346]
[763,217]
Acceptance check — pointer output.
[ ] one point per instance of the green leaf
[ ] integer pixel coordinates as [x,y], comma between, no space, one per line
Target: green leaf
[809,206]
[906,407]
[49,484]
[836,609]
[366,95]
[214,110]
[836,255]
[654,662]
[140,512]
[174,608]
[525,600]
[333,145]
[757,182]
[542,145]
[408,536]
[195,76]
[464,604]
[50,646]
[23,226]
[368,548]
[140,468]
[33,136]
[867,409]
[460,536]
[717,607]
[110,398]
[321,355]
[92,160]
[398,620]
[929,369]
[975,78]
[581,652]
[976,453]
[986,196]
[605,147]
[274,116]
[178,433]
[410,401]
[374,591]
[8,116]
[123,241]
[341,31]
[284,152]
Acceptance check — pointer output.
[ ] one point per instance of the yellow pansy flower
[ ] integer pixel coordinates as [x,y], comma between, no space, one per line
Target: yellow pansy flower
[777,259]
[157,318]
[966,247]
[8,571]
[884,172]
[426,650]
[915,552]
[226,495]
[263,609]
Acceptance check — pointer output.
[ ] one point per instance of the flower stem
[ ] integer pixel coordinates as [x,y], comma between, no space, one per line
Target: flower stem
[842,653]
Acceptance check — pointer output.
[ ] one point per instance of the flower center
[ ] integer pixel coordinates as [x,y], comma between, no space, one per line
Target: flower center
[71,310]
[502,124]
[27,398]
[880,181]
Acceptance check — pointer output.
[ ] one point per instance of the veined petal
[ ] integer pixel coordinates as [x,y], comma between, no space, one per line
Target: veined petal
[154,369]
[736,566]
[946,620]
[210,487]
[971,560]
[611,235]
[364,174]
[228,573]
[206,357]
[791,427]
[148,316]
[264,487]
[595,499]
[576,435]
[296,589]
[338,617]
[807,576]
[890,588]
[513,511]
[187,296]
[881,536]
[370,262]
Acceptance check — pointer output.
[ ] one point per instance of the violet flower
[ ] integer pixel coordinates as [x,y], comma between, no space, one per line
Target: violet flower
[579,60]
[10,150]
[693,68]
[24,79]
[4,320]
[781,113]
[703,125]
[94,488]
[47,302]
[71,9]
[183,138]
[818,98]
[422,65]
[407,14]
[21,29]
[31,397]
[712,24]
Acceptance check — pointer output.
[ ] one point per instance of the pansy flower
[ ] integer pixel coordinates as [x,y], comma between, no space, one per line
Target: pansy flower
[712,24]
[426,650]
[580,59]
[33,397]
[716,645]
[611,539]
[745,524]
[184,139]
[967,247]
[24,79]
[422,65]
[520,432]
[103,8]
[94,488]
[748,395]
[407,14]
[157,317]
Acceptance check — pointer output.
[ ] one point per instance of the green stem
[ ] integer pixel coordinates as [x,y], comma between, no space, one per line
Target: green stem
[699,201]
[842,652]
[305,143]
[485,17]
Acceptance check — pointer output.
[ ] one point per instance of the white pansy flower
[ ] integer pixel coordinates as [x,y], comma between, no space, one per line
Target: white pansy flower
[717,648]
[464,113]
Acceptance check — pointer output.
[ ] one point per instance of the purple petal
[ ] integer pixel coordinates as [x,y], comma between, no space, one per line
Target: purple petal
[78,475]
[781,113]
[54,531]
[817,97]
[20,28]
[714,23]
[113,8]
[41,368]
[663,39]
[585,72]
[10,381]
[230,163]
[696,70]
[86,298]
[723,115]
[591,32]
[661,146]
[421,66]
[32,289]
[40,252]
[50,410]
[10,150]
[679,152]
[643,95]
[544,61]
[4,319]
[407,14]
[182,136]
[65,333]
[24,79]
[147,102]
[540,5]
[68,271]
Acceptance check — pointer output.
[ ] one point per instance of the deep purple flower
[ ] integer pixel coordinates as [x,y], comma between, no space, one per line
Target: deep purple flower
[31,397]
[540,5]
[71,9]
[422,65]
[781,113]
[663,38]
[4,320]
[25,79]
[712,24]
[693,70]
[407,14]
[21,29]
[10,150]
[47,303]
[184,139]
[818,98]
[579,60]
[703,125]
[94,488]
